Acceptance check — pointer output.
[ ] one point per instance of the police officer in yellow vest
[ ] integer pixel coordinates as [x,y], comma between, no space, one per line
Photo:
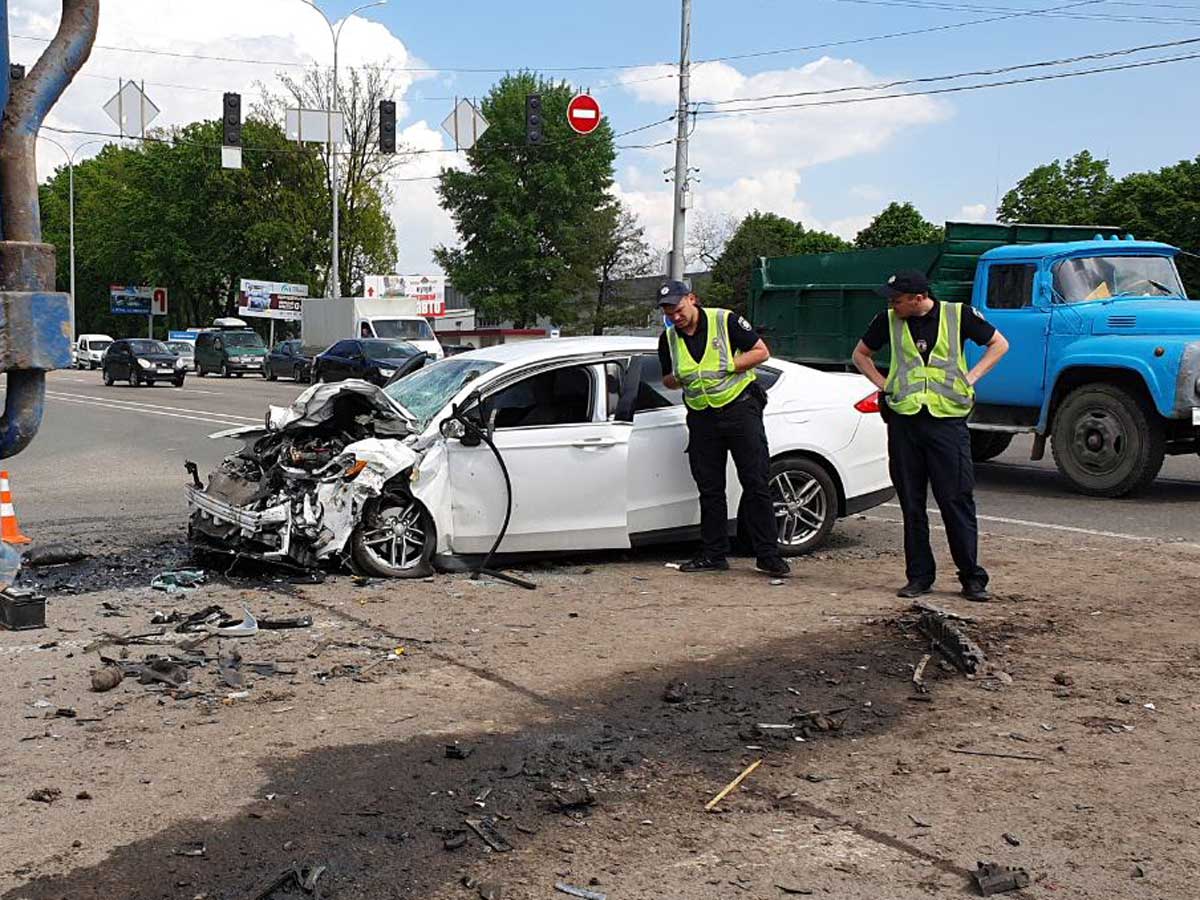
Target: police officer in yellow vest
[927,396]
[711,355]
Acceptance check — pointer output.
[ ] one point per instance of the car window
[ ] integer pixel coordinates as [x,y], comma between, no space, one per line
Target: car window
[557,397]
[341,348]
[652,393]
[1010,286]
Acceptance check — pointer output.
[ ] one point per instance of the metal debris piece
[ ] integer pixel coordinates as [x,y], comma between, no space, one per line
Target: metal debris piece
[578,891]
[792,889]
[918,678]
[993,878]
[303,878]
[44,795]
[1012,839]
[458,751]
[918,822]
[486,829]
[949,640]
[280,624]
[454,841]
[925,606]
[195,848]
[246,628]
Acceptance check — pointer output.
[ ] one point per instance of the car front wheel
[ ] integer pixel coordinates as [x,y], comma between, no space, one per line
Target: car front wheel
[135,378]
[395,538]
[805,502]
[108,379]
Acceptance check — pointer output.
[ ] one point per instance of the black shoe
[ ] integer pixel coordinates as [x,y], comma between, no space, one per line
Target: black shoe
[914,589]
[973,590]
[773,565]
[704,564]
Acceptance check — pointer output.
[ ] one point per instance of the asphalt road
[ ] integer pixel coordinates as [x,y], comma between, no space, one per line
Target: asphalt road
[108,462]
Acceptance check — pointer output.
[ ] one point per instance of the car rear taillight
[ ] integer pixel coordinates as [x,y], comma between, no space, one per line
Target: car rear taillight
[868,404]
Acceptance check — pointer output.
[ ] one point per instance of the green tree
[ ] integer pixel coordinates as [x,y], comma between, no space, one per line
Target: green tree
[899,224]
[822,242]
[1161,206]
[624,255]
[531,219]
[758,234]
[1073,193]
[167,213]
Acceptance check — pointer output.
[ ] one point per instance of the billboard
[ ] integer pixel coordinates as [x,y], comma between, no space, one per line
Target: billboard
[137,300]
[271,299]
[428,291]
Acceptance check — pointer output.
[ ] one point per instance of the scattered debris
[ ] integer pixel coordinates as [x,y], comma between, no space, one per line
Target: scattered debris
[106,678]
[83,795]
[732,785]
[776,582]
[22,609]
[281,624]
[174,582]
[486,829]
[458,751]
[993,878]
[923,606]
[487,890]
[195,848]
[1012,839]
[455,840]
[792,889]
[949,640]
[1064,679]
[246,628]
[56,554]
[675,692]
[573,891]
[1025,756]
[918,678]
[573,796]
[303,878]
[1138,871]
[44,795]
[918,822]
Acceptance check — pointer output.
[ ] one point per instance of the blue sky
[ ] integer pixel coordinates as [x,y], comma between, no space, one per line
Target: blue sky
[833,168]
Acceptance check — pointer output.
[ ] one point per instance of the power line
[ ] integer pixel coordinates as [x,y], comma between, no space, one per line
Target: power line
[963,7]
[951,90]
[978,73]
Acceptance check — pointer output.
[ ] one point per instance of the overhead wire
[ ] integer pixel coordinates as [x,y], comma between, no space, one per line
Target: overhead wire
[1049,14]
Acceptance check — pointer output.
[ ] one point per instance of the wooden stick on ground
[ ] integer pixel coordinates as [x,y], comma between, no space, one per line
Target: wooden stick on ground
[1000,755]
[733,784]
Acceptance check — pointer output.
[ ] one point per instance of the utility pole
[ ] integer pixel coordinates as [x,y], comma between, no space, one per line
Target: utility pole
[679,229]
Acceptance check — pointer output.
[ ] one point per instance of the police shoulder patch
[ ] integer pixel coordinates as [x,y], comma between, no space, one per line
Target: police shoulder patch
[742,321]
[974,310]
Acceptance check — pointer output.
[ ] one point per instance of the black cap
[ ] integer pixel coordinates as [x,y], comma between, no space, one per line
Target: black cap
[908,281]
[671,292]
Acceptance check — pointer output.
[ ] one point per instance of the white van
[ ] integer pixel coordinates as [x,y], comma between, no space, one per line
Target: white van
[89,350]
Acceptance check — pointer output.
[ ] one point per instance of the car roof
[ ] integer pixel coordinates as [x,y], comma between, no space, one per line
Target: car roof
[547,349]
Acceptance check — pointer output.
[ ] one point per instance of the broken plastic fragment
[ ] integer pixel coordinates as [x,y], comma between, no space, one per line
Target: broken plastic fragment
[246,628]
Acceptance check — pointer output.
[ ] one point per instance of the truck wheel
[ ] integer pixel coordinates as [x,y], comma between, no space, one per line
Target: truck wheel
[395,538]
[805,503]
[987,445]
[1105,442]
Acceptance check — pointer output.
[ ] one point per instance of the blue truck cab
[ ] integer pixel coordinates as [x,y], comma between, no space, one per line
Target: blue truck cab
[1104,358]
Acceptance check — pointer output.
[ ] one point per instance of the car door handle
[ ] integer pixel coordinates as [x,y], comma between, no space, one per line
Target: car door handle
[590,443]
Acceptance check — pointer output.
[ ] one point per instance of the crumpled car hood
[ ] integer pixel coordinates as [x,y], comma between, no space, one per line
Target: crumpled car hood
[319,403]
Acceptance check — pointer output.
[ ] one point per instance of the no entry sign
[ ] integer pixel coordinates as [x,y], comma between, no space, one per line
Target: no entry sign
[583,113]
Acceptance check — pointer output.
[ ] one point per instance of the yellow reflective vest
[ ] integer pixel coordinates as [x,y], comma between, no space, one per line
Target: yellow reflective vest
[939,385]
[710,381]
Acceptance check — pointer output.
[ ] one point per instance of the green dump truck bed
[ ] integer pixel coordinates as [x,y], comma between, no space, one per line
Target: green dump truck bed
[813,308]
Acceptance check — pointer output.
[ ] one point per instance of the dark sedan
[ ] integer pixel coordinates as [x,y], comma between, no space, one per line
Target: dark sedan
[289,359]
[142,361]
[373,360]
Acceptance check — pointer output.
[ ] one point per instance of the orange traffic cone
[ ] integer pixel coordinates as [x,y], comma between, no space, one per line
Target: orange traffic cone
[10,531]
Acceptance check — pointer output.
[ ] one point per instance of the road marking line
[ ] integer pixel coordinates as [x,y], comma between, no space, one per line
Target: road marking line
[208,420]
[1004,520]
[138,405]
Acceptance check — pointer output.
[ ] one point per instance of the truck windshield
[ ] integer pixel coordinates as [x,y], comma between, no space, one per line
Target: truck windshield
[1105,277]
[427,390]
[403,329]
[243,339]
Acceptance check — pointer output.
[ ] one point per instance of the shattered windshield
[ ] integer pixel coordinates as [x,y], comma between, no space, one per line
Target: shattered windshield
[426,391]
[405,329]
[389,349]
[1106,277]
[243,339]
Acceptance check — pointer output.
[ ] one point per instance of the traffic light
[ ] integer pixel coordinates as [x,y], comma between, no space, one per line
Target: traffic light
[533,118]
[387,126]
[232,120]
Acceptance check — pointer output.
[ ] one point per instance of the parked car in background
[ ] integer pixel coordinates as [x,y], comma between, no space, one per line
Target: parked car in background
[88,351]
[229,352]
[402,479]
[186,351]
[142,361]
[289,359]
[372,360]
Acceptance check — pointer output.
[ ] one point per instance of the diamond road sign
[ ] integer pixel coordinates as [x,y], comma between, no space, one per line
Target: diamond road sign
[465,124]
[131,110]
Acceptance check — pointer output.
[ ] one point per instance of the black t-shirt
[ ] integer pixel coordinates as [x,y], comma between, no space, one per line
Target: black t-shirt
[741,335]
[924,330]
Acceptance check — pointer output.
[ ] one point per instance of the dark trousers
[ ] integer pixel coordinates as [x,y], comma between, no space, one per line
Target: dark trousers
[737,430]
[926,451]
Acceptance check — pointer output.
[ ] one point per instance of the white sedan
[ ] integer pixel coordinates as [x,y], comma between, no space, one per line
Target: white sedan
[594,444]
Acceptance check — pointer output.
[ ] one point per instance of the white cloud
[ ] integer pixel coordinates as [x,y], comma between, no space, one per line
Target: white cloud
[279,32]
[755,160]
[973,212]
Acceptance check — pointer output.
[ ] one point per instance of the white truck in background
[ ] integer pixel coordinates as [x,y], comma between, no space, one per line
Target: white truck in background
[325,321]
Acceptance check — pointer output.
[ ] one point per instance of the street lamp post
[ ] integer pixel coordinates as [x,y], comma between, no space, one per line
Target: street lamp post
[70,154]
[336,34]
